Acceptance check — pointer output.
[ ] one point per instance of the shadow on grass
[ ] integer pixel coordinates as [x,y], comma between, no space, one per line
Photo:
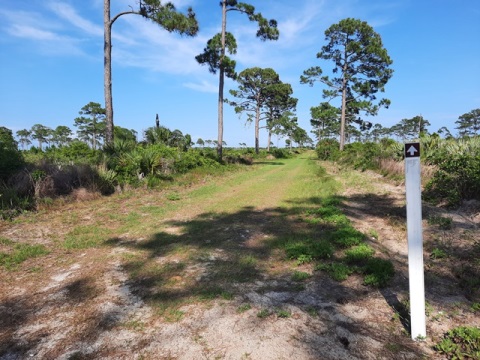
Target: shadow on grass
[276,163]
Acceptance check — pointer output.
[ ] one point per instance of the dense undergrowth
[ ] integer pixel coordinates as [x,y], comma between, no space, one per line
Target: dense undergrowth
[33,178]
[450,167]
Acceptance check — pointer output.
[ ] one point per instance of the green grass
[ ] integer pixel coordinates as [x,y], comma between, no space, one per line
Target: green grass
[359,254]
[17,253]
[444,223]
[84,237]
[264,313]
[378,272]
[307,250]
[300,276]
[135,325]
[244,307]
[219,236]
[173,197]
[283,314]
[173,315]
[461,343]
[346,237]
[337,270]
[5,241]
[334,233]
[438,254]
[373,233]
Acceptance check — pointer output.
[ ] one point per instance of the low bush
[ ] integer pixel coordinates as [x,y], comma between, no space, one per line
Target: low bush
[281,153]
[328,149]
[11,160]
[457,178]
[362,156]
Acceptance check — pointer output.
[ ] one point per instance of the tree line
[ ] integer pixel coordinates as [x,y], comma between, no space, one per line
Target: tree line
[91,130]
[325,125]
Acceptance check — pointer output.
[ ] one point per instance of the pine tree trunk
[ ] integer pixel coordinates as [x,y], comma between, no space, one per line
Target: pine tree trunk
[344,105]
[257,131]
[221,84]
[108,72]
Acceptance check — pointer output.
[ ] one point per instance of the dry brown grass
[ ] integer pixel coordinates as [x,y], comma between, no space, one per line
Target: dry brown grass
[427,173]
[390,167]
[83,194]
[396,170]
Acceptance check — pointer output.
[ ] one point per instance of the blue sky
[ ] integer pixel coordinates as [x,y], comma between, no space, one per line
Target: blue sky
[51,61]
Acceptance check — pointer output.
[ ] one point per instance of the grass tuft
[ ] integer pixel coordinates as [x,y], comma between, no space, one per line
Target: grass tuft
[359,254]
[18,253]
[300,276]
[84,237]
[378,272]
[337,271]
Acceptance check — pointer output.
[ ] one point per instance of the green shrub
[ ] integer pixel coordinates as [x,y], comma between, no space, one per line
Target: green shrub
[10,158]
[361,156]
[12,203]
[458,171]
[391,149]
[457,178]
[107,179]
[281,153]
[328,149]
[189,160]
[76,152]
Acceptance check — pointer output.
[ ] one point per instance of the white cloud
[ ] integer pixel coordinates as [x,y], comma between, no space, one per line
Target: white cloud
[30,32]
[29,18]
[293,28]
[45,32]
[203,86]
[47,41]
[156,49]
[68,13]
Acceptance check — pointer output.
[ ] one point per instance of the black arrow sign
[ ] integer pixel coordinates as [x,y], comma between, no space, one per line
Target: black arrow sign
[412,150]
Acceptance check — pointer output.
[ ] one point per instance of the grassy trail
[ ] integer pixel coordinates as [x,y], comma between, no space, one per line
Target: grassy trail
[268,185]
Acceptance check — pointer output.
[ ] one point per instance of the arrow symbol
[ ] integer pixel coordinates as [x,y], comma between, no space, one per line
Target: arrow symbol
[412,150]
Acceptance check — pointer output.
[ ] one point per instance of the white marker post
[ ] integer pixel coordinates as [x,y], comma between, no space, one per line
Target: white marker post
[415,240]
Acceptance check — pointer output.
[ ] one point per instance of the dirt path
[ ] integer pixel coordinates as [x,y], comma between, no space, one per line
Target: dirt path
[197,273]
